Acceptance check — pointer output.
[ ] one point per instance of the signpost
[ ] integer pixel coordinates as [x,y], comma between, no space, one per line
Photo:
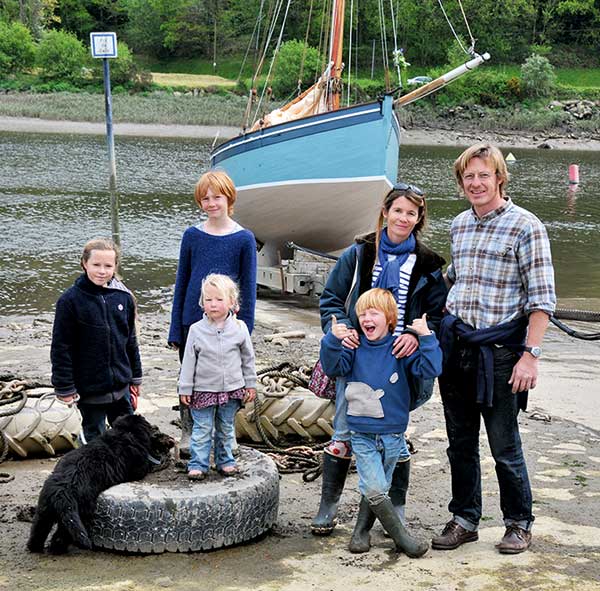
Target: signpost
[104,46]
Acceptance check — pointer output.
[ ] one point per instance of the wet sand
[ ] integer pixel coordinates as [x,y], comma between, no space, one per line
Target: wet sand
[421,136]
[561,434]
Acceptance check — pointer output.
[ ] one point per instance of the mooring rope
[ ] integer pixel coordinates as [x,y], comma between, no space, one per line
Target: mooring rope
[9,397]
[279,380]
[582,315]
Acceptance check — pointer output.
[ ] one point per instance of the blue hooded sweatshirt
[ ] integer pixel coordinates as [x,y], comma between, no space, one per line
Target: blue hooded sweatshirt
[377,387]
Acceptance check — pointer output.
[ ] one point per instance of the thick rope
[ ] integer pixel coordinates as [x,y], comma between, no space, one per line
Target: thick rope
[9,397]
[287,459]
[594,336]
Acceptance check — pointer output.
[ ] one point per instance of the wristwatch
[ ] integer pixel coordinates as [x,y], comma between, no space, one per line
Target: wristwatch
[535,351]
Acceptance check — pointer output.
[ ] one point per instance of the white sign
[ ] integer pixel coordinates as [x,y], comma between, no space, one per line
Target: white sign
[103,44]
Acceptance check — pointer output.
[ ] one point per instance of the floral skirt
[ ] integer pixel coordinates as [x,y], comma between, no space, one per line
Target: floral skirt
[206,399]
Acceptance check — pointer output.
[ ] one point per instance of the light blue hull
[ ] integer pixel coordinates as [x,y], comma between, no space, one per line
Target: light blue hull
[318,180]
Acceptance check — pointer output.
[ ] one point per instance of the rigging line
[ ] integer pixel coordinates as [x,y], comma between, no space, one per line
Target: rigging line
[305,47]
[274,17]
[472,48]
[350,51]
[325,30]
[383,44]
[255,33]
[460,43]
[277,46]
[395,43]
[276,8]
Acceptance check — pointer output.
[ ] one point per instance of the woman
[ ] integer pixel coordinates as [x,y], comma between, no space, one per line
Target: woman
[394,258]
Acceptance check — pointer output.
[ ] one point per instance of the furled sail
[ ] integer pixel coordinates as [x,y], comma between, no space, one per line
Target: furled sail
[311,102]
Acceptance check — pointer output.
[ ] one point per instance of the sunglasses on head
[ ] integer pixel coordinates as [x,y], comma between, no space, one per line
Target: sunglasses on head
[405,188]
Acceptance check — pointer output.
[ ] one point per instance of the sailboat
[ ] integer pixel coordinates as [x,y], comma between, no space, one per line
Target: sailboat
[313,173]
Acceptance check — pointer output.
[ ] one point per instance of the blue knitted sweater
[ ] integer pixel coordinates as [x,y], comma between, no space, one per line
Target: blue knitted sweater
[201,254]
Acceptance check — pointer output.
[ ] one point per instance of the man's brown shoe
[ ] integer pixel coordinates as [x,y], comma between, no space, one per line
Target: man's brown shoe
[453,536]
[515,540]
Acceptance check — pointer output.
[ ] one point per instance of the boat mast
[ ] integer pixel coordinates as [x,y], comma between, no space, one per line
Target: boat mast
[335,54]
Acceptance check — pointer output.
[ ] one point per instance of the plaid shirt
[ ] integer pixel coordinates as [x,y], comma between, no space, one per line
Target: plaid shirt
[501,267]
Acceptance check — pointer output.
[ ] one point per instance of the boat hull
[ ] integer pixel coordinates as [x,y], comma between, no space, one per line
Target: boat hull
[316,181]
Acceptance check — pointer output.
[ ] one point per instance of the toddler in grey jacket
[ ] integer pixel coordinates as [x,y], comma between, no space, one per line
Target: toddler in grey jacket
[217,375]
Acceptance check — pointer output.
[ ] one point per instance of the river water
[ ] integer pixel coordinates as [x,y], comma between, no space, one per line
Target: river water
[53,198]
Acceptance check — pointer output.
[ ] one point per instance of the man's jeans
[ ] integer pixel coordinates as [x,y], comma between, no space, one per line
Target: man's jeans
[462,413]
[376,457]
[221,420]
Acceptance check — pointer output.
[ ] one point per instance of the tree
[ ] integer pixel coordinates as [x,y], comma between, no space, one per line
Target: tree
[147,20]
[17,51]
[538,76]
[61,56]
[289,66]
[122,68]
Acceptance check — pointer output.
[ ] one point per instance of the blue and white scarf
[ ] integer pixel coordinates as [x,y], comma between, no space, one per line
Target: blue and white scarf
[390,270]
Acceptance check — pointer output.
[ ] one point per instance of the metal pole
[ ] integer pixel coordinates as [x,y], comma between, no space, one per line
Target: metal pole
[112,183]
[373,60]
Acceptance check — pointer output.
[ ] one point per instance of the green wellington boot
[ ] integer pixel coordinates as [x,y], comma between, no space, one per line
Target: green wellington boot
[399,488]
[335,471]
[386,513]
[360,541]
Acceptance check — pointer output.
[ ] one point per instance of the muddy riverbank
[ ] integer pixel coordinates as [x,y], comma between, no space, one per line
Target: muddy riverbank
[561,433]
[410,136]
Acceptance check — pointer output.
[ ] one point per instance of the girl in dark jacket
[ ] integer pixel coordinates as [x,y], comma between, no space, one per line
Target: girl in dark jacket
[94,353]
[394,258]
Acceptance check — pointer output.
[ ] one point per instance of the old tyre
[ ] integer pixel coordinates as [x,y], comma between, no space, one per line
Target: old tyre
[220,511]
[300,414]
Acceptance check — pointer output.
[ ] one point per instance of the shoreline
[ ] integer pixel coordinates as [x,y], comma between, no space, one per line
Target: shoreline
[410,136]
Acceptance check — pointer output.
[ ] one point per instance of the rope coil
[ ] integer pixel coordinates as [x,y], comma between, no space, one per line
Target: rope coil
[279,380]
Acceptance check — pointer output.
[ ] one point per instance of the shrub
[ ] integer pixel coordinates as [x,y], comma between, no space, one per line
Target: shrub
[17,51]
[288,64]
[122,68]
[538,77]
[514,87]
[367,89]
[61,55]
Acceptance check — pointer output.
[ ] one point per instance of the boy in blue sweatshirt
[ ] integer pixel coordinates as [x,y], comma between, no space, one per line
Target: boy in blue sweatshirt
[378,397]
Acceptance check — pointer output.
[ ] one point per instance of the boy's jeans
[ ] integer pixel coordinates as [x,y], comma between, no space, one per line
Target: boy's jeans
[221,419]
[376,457]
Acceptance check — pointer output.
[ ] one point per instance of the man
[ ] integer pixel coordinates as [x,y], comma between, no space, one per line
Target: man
[499,305]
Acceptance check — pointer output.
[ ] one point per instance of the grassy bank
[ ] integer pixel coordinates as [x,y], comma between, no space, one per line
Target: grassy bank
[228,109]
[161,108]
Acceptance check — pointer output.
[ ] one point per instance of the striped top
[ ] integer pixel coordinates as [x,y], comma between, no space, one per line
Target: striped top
[404,281]
[501,267]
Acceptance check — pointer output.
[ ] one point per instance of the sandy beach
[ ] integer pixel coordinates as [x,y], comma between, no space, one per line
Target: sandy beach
[561,433]
[410,136]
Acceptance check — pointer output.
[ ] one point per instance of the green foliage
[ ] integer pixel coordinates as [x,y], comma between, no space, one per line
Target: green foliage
[514,87]
[367,89]
[541,49]
[61,56]
[538,76]
[122,68]
[17,51]
[565,31]
[289,64]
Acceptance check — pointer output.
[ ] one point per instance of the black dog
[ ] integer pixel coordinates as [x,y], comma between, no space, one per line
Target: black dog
[128,451]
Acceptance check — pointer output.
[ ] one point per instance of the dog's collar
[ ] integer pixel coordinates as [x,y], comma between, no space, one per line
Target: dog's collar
[154,460]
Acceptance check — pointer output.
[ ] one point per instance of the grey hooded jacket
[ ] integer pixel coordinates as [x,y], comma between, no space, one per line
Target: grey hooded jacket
[217,360]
